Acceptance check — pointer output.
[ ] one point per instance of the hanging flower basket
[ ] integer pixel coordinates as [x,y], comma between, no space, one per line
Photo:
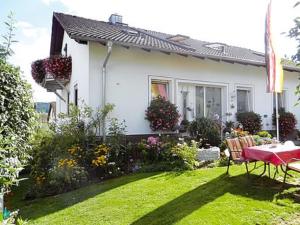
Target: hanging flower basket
[38,71]
[57,67]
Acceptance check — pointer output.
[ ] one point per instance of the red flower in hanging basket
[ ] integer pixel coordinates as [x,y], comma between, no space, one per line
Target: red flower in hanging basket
[38,71]
[59,67]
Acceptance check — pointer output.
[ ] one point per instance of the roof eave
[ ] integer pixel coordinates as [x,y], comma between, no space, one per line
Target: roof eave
[57,35]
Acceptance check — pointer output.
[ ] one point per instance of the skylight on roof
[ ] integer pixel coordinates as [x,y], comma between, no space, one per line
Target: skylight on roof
[131,32]
[178,38]
[216,46]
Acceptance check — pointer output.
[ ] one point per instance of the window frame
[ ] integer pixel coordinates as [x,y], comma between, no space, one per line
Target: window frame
[245,88]
[160,79]
[205,86]
[224,95]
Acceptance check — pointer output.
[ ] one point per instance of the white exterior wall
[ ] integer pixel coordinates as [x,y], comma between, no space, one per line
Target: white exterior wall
[129,72]
[80,73]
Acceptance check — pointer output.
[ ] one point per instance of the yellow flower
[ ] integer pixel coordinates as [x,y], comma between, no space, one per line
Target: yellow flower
[74,149]
[40,179]
[67,163]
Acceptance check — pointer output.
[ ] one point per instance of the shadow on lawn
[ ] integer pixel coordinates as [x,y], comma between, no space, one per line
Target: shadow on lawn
[44,206]
[175,210]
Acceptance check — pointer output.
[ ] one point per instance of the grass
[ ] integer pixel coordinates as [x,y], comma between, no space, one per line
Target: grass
[205,196]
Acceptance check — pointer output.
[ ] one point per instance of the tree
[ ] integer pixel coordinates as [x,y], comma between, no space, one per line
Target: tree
[16,114]
[8,38]
[295,33]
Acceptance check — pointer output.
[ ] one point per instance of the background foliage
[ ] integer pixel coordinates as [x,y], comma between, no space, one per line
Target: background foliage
[206,131]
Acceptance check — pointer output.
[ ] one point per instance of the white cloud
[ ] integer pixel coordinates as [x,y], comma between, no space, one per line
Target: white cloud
[34,45]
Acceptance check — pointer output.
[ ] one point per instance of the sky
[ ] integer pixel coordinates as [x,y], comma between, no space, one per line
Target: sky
[234,22]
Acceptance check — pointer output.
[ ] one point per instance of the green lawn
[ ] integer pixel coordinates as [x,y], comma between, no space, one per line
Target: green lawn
[205,196]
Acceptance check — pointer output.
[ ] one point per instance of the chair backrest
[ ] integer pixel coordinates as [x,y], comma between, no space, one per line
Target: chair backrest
[244,142]
[234,147]
[250,140]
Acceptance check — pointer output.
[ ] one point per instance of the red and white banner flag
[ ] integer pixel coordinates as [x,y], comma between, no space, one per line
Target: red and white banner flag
[273,60]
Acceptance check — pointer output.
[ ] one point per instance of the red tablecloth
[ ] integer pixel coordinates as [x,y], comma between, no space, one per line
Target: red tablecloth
[277,155]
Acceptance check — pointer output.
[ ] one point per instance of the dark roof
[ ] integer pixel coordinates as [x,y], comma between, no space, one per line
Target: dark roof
[83,30]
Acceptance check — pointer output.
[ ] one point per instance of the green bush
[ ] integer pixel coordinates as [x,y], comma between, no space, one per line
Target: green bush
[119,154]
[262,140]
[287,122]
[206,131]
[66,178]
[185,155]
[16,123]
[264,134]
[162,115]
[251,121]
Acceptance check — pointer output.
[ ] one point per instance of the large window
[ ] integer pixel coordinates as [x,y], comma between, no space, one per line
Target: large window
[159,88]
[208,101]
[244,100]
[281,100]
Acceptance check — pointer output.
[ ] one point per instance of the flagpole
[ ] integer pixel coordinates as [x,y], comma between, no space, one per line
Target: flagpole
[277,115]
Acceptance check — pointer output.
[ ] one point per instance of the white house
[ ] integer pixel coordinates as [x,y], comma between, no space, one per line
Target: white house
[115,63]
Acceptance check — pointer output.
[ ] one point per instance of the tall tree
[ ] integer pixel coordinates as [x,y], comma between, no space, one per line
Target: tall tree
[16,113]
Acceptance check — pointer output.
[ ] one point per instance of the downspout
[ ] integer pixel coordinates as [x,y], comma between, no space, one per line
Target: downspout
[109,48]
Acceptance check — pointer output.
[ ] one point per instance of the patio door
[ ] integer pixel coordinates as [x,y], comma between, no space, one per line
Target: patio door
[208,101]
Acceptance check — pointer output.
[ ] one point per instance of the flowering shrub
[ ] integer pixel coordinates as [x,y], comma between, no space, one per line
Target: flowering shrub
[38,71]
[58,67]
[153,143]
[251,121]
[185,155]
[101,152]
[162,115]
[287,122]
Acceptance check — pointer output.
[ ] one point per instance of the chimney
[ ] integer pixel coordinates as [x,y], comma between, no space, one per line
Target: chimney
[115,19]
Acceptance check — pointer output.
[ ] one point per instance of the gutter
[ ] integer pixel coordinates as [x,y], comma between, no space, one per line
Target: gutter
[104,71]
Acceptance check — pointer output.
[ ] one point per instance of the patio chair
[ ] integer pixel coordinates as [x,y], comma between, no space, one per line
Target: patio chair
[235,152]
[292,166]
